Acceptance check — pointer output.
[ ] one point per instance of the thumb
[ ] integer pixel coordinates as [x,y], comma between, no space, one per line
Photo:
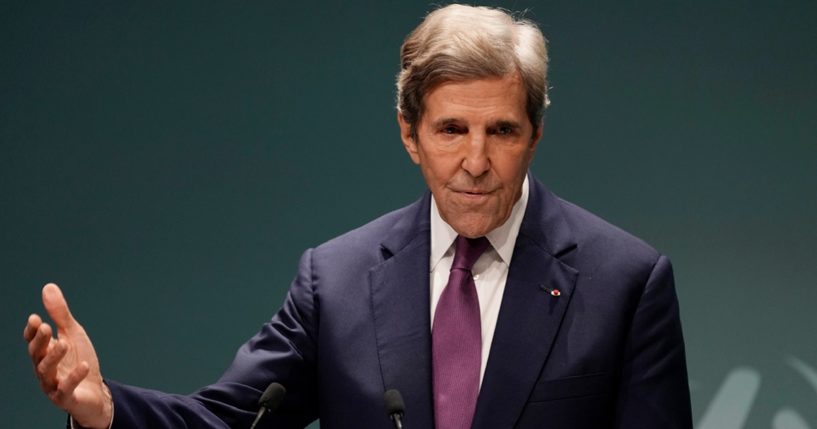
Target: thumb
[57,307]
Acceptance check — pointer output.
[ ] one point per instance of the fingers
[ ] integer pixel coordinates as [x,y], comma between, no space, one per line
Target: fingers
[59,388]
[38,346]
[66,386]
[57,307]
[34,322]
[47,368]
[72,380]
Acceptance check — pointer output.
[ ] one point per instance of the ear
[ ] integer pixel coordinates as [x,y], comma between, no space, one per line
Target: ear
[408,140]
[537,135]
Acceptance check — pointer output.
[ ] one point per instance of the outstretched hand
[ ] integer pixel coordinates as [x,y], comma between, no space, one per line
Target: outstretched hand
[67,366]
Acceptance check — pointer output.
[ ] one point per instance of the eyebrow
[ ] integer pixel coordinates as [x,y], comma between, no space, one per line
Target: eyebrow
[509,124]
[497,123]
[445,121]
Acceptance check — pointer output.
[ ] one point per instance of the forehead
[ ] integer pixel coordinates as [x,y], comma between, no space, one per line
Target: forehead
[490,98]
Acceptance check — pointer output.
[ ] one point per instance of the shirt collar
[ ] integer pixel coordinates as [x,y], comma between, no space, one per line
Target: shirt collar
[502,238]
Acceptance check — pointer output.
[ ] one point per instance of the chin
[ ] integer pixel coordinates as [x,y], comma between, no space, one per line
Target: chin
[473,229]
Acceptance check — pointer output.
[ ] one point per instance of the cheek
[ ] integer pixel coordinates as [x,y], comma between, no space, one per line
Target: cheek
[511,170]
[439,167]
[432,175]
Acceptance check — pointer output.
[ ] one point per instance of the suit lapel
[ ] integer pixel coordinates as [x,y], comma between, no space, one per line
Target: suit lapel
[400,308]
[530,316]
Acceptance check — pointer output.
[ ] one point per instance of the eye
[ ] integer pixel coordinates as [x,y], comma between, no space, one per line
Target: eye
[504,130]
[450,129]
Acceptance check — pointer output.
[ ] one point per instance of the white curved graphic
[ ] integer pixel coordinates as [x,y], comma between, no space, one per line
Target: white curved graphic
[806,371]
[789,419]
[734,400]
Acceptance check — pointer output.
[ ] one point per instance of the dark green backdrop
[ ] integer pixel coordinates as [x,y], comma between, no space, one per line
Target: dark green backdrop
[167,162]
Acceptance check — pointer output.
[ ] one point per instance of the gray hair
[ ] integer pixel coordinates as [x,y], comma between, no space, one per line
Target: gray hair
[458,43]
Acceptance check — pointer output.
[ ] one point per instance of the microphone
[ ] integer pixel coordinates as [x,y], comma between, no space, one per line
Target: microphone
[269,401]
[395,407]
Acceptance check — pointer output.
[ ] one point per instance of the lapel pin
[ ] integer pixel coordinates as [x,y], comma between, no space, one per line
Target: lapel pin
[552,292]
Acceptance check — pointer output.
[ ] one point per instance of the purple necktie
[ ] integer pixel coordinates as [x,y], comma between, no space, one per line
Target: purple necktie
[457,340]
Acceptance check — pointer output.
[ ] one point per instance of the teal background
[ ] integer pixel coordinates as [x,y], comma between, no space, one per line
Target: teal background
[167,162]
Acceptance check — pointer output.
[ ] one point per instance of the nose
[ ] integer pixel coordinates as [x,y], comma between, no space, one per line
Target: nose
[475,159]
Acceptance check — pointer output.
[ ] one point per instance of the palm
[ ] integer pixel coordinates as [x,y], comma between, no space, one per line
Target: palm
[80,350]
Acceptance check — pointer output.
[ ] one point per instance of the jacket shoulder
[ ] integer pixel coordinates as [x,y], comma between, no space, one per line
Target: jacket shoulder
[366,241]
[604,243]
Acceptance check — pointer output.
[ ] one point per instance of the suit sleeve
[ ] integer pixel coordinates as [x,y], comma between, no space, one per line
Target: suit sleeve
[283,350]
[654,389]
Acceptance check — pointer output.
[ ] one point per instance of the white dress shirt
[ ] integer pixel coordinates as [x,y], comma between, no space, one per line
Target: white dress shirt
[490,271]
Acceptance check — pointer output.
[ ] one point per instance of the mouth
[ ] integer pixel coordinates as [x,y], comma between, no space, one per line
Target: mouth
[473,193]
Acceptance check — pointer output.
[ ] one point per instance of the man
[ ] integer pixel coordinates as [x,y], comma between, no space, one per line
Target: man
[489,303]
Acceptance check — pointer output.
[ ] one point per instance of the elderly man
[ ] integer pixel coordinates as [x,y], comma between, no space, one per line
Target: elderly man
[489,303]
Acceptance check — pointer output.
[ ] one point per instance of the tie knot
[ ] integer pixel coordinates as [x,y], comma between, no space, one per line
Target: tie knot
[467,251]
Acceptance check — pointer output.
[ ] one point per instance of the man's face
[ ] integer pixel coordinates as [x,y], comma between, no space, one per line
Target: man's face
[474,144]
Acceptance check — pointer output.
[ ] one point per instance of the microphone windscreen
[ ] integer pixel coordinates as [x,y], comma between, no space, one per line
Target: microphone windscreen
[394,402]
[272,396]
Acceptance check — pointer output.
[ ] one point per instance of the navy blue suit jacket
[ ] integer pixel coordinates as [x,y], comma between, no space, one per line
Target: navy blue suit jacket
[607,353]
